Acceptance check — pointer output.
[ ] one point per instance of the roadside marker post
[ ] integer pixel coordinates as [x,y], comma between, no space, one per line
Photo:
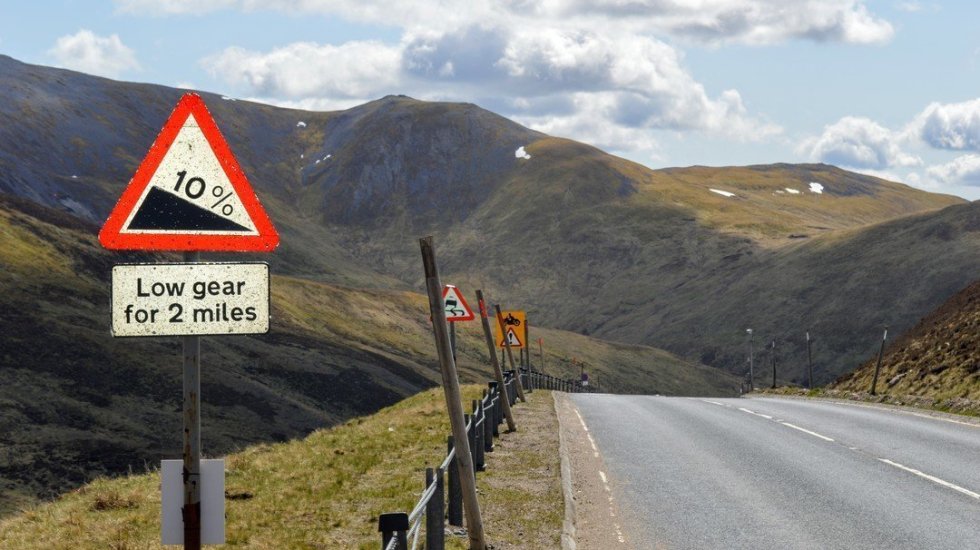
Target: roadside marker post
[498,373]
[454,404]
[189,194]
[881,353]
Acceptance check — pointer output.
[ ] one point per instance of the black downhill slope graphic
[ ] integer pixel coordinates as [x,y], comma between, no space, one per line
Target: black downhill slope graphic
[164,211]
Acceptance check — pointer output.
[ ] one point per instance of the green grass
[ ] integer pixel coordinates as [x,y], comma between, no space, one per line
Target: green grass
[324,491]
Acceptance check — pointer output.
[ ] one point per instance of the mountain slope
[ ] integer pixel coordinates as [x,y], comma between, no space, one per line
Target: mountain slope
[76,403]
[590,242]
[938,358]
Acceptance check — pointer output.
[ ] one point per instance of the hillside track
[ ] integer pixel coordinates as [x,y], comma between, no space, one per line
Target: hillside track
[778,473]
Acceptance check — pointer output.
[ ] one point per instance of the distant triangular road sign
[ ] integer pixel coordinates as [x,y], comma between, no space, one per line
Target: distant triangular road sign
[515,341]
[456,307]
[189,193]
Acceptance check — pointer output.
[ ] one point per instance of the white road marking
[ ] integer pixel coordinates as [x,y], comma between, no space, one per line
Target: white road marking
[806,431]
[582,420]
[714,402]
[766,416]
[612,508]
[592,442]
[933,479]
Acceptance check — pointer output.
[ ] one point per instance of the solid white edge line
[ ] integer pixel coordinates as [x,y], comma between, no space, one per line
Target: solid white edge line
[806,431]
[933,479]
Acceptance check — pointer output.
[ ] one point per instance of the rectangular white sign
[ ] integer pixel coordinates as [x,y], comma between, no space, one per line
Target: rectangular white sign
[190,299]
[212,501]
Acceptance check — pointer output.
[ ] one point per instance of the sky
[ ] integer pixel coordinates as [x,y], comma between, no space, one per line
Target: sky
[889,88]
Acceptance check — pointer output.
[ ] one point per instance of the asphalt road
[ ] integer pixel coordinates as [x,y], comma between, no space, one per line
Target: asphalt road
[785,473]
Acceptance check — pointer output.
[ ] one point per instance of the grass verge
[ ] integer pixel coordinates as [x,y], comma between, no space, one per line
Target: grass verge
[327,490]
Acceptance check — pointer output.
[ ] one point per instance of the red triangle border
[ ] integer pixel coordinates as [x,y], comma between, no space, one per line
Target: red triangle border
[111,237]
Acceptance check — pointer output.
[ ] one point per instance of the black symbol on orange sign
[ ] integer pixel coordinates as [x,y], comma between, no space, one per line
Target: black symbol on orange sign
[511,320]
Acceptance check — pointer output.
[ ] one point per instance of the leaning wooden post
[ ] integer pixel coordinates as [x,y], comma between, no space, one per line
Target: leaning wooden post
[527,345]
[510,353]
[881,352]
[450,384]
[497,372]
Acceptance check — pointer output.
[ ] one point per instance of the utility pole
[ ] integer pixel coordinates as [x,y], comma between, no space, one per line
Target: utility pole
[751,374]
[881,352]
[773,364]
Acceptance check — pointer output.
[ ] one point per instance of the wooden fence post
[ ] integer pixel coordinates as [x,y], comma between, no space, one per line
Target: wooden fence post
[394,526]
[435,533]
[455,512]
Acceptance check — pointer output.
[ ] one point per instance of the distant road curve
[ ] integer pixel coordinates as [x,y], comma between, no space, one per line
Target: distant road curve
[692,473]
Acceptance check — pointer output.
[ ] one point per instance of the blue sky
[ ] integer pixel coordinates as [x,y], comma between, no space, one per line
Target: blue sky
[890,88]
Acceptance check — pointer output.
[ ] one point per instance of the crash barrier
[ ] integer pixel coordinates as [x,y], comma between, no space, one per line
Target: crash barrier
[442,499]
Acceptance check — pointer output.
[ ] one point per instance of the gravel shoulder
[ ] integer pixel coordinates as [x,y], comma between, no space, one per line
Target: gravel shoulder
[596,519]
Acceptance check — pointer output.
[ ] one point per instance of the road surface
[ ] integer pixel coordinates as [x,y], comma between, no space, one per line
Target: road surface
[784,473]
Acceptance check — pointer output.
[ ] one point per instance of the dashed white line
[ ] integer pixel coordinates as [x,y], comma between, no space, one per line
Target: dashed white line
[603,476]
[714,402]
[766,416]
[806,431]
[933,479]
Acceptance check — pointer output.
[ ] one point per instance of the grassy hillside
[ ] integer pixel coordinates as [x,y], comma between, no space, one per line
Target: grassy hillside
[78,403]
[938,360]
[591,242]
[325,491]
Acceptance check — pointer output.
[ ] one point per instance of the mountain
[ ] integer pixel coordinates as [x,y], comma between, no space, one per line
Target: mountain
[937,360]
[76,403]
[680,258]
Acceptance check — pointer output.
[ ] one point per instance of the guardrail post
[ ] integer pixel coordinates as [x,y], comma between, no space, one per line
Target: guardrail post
[394,526]
[435,533]
[471,437]
[478,420]
[455,511]
[496,408]
[489,417]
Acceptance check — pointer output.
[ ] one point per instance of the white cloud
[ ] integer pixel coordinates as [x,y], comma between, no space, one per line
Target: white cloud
[857,142]
[90,53]
[950,126]
[306,71]
[963,170]
[723,21]
[711,21]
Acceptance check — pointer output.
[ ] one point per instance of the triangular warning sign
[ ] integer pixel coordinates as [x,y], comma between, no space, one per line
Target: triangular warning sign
[456,307]
[189,193]
[515,341]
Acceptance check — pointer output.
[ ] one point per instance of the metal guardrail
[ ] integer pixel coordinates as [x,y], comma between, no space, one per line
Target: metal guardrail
[439,502]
